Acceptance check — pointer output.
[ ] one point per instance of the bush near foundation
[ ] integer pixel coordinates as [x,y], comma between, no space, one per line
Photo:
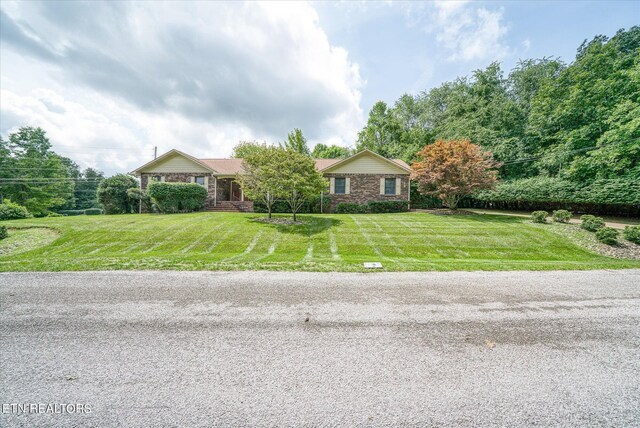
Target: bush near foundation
[177,197]
[3,232]
[351,208]
[377,207]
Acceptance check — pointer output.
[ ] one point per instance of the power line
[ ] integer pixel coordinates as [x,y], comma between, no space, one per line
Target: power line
[570,151]
[49,178]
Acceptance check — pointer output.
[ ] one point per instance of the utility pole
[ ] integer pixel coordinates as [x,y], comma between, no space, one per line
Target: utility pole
[155,152]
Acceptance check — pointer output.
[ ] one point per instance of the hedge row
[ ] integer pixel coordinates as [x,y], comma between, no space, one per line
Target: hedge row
[177,197]
[617,196]
[613,197]
[88,211]
[310,206]
[374,207]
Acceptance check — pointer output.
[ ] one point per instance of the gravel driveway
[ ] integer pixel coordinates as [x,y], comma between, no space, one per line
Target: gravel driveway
[184,349]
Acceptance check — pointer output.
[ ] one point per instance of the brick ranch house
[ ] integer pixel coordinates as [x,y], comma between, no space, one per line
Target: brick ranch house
[360,178]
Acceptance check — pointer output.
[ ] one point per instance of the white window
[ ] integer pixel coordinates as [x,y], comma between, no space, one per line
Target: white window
[199,180]
[389,186]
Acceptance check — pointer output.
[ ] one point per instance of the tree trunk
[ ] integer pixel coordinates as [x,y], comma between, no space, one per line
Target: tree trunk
[269,212]
[451,202]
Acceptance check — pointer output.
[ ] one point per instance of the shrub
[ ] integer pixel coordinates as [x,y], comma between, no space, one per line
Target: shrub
[351,208]
[12,211]
[70,212]
[177,197]
[539,216]
[3,232]
[52,214]
[632,233]
[93,211]
[607,235]
[377,207]
[591,222]
[607,196]
[112,194]
[561,216]
[139,199]
[310,206]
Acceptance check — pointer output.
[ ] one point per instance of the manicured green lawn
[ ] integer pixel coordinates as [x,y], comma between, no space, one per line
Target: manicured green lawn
[230,241]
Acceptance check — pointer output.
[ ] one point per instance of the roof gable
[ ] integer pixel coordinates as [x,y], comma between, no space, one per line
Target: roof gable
[367,162]
[174,161]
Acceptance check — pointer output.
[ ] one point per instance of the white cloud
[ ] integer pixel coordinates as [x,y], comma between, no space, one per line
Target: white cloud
[468,32]
[197,76]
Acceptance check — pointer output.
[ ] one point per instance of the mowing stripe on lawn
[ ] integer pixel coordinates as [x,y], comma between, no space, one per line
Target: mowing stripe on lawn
[221,238]
[333,246]
[309,254]
[247,250]
[388,237]
[367,238]
[201,238]
[164,232]
[270,250]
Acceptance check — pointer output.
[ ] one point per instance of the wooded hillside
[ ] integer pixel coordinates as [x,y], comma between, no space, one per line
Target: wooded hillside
[567,134]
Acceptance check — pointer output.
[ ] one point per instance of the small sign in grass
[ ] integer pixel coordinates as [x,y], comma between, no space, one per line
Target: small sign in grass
[372,265]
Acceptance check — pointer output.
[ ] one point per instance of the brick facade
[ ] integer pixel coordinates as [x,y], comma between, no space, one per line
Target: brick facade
[363,187]
[366,188]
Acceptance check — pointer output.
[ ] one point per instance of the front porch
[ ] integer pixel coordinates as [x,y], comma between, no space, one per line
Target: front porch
[229,197]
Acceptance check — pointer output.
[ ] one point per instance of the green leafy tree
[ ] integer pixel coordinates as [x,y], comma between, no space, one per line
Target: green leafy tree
[31,174]
[296,142]
[572,113]
[246,148]
[322,151]
[299,179]
[262,177]
[112,194]
[86,191]
[381,133]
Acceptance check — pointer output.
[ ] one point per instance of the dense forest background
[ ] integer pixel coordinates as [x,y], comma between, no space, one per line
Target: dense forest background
[568,135]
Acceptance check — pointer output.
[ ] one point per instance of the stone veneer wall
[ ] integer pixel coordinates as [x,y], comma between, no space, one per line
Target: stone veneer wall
[366,187]
[182,177]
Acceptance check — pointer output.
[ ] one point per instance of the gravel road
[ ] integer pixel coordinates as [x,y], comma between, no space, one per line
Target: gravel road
[151,349]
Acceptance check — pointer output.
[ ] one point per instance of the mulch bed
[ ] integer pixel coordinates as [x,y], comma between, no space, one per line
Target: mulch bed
[623,250]
[283,221]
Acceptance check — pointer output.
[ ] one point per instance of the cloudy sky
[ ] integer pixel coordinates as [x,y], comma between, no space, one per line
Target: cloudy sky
[109,81]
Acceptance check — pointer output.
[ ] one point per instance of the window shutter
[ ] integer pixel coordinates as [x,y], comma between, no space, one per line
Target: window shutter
[398,185]
[347,186]
[193,179]
[162,179]
[206,182]
[382,186]
[332,185]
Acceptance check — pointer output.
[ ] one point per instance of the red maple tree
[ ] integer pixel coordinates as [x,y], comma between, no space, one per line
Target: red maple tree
[451,170]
